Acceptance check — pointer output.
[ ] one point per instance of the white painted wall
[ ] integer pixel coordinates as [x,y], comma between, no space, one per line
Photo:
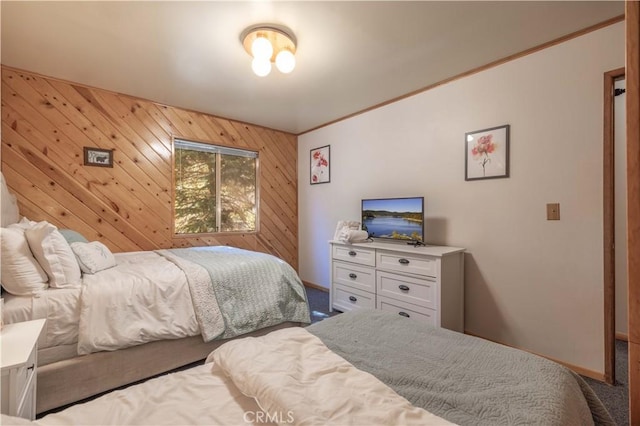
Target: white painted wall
[529,282]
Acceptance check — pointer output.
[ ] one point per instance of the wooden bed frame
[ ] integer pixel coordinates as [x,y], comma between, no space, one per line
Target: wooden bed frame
[71,380]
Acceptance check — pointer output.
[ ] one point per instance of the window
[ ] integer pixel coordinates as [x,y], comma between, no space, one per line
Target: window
[215,188]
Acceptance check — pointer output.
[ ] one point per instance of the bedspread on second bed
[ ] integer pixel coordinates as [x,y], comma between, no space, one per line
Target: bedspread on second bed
[291,371]
[249,290]
[464,379]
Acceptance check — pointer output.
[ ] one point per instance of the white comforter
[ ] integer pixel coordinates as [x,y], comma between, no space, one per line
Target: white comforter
[290,374]
[296,379]
[142,299]
[59,306]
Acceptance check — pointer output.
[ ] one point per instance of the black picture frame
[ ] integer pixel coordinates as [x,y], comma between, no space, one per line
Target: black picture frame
[486,154]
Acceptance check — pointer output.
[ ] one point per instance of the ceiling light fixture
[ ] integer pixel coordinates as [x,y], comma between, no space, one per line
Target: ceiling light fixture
[267,44]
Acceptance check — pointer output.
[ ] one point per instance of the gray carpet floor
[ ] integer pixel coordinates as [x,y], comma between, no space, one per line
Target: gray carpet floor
[615,398]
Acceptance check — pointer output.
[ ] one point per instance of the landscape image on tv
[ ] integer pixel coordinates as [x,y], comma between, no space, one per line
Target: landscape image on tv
[395,218]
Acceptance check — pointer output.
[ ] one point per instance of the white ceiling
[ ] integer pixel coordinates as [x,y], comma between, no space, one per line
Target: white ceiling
[351,55]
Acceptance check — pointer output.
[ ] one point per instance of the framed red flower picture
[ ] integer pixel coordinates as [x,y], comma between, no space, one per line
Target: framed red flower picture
[320,166]
[487,153]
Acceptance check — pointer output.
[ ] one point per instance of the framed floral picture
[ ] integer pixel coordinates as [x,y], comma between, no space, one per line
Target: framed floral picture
[320,165]
[487,153]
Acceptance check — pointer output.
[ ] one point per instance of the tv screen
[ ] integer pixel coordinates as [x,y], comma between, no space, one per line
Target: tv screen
[394,218]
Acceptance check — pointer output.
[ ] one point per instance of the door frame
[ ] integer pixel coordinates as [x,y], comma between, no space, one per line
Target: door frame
[632,37]
[609,225]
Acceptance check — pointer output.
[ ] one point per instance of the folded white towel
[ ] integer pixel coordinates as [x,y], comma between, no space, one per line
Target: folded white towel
[352,236]
[344,226]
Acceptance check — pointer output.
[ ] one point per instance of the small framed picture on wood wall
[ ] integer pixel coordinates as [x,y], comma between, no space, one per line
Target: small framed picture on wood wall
[98,157]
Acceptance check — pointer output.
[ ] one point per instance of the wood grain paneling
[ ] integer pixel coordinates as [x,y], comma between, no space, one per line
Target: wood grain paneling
[633,203]
[47,122]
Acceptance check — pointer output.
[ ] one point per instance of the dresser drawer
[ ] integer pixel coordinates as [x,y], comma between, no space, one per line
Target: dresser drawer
[408,310]
[407,289]
[356,276]
[361,255]
[346,299]
[407,262]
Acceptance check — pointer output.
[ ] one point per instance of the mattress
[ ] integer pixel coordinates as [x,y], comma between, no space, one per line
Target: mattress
[56,353]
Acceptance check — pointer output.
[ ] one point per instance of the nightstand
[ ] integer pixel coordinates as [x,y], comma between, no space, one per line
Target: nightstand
[19,346]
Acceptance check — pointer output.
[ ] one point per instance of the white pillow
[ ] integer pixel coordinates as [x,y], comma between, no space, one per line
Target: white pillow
[93,256]
[20,274]
[8,205]
[53,253]
[24,224]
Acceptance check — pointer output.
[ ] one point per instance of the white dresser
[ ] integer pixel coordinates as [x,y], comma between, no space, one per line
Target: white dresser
[19,346]
[424,283]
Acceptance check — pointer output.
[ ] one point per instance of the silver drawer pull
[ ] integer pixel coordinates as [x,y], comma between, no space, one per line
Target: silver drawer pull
[352,253]
[403,287]
[403,261]
[353,298]
[353,276]
[404,314]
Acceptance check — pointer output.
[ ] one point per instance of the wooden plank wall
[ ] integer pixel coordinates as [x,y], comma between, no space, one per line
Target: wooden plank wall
[633,203]
[47,122]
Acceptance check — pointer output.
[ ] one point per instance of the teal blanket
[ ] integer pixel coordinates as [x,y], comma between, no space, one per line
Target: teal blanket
[237,291]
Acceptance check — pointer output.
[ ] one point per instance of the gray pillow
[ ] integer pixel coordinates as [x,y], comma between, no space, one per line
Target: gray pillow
[73,236]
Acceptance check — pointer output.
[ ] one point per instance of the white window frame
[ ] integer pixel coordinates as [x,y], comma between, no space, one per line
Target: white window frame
[181,143]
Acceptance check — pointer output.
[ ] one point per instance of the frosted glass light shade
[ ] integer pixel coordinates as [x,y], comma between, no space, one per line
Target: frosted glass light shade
[261,67]
[269,44]
[285,61]
[261,48]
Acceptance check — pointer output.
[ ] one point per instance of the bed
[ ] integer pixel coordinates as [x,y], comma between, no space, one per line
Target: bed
[137,313]
[361,367]
[145,308]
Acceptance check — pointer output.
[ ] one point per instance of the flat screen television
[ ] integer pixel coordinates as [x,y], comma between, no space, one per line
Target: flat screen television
[399,219]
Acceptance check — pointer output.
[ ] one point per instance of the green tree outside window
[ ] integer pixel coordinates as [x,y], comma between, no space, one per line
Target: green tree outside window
[215,188]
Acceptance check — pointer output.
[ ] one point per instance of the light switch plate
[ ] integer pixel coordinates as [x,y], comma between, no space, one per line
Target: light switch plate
[553,211]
